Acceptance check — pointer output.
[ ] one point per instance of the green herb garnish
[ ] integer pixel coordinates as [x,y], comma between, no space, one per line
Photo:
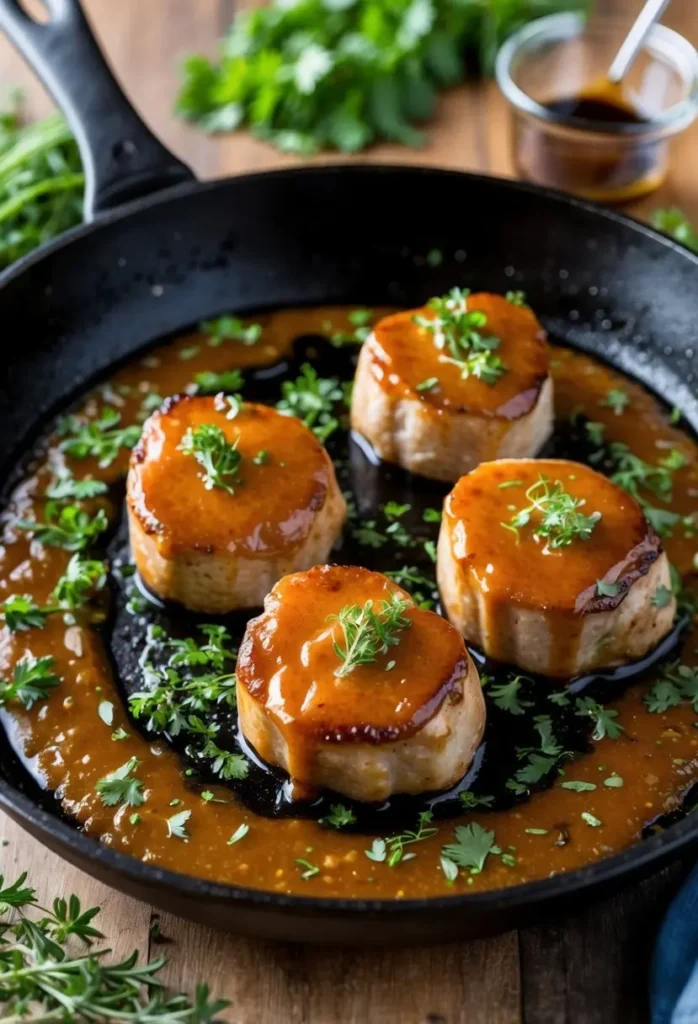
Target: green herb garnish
[101,438]
[219,459]
[678,683]
[605,724]
[472,847]
[33,679]
[230,328]
[557,514]
[121,786]
[616,399]
[339,816]
[459,332]
[177,825]
[506,695]
[210,383]
[312,399]
[368,633]
[673,222]
[606,589]
[67,526]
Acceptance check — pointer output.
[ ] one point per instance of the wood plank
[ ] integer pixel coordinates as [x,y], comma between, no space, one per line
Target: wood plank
[124,921]
[271,982]
[593,968]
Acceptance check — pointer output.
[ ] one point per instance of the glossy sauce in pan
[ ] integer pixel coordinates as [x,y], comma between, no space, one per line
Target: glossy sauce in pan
[545,829]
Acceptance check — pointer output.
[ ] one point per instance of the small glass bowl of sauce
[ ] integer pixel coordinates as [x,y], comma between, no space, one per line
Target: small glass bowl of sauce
[573,129]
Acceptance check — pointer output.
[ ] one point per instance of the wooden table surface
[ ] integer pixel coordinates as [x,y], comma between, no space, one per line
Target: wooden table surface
[590,969]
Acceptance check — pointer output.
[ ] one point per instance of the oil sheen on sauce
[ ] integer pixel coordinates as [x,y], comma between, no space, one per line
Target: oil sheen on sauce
[68,747]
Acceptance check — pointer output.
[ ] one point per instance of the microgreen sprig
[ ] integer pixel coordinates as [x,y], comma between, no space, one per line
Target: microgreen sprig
[558,516]
[220,460]
[368,633]
[459,331]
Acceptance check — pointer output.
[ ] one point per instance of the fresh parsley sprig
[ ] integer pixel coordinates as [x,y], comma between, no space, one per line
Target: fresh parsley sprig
[33,679]
[81,579]
[312,399]
[121,786]
[555,514]
[368,633]
[69,526]
[101,438]
[220,460]
[230,328]
[460,332]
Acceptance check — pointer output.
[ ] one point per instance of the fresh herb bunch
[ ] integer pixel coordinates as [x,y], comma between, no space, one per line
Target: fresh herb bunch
[191,681]
[673,222]
[558,515]
[368,633]
[44,978]
[459,331]
[220,460]
[41,183]
[342,74]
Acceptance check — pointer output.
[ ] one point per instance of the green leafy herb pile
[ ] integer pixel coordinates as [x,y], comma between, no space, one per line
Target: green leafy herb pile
[50,972]
[41,183]
[341,74]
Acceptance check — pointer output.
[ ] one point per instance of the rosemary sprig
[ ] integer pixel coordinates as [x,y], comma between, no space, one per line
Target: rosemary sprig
[459,331]
[558,515]
[368,633]
[220,460]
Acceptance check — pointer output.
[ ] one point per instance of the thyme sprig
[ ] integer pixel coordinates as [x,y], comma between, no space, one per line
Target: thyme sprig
[220,460]
[459,331]
[42,978]
[368,633]
[557,514]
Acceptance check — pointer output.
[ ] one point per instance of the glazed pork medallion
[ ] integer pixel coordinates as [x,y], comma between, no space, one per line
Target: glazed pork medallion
[224,498]
[347,685]
[548,565]
[460,381]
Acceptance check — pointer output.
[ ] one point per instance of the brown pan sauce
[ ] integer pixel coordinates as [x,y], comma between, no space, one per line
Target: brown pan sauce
[68,747]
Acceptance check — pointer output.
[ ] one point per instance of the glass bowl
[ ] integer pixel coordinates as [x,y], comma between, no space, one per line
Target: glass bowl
[561,58]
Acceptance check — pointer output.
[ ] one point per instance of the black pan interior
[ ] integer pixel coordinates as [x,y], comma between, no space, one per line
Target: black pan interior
[342,235]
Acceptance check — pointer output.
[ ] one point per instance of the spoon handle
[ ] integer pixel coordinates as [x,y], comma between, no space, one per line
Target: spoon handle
[632,44]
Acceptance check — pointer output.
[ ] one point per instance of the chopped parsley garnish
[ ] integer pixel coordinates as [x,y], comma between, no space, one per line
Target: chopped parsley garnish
[67,488]
[360,319]
[121,786]
[210,383]
[595,432]
[105,710]
[590,819]
[614,782]
[605,724]
[672,222]
[578,786]
[422,588]
[82,577]
[339,816]
[634,475]
[606,589]
[67,527]
[557,514]
[21,612]
[261,458]
[616,399]
[472,847]
[101,439]
[177,825]
[506,695]
[678,683]
[368,535]
[33,679]
[516,298]
[219,459]
[431,515]
[230,328]
[312,399]
[368,633]
[459,332]
[428,384]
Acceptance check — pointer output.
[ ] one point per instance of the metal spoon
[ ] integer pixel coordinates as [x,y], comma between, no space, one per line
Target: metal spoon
[632,44]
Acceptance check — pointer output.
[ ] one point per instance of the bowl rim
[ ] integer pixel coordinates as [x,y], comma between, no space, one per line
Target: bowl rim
[569,24]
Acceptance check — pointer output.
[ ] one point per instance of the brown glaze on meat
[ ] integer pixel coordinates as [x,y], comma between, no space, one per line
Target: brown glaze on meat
[288,667]
[445,429]
[524,600]
[215,551]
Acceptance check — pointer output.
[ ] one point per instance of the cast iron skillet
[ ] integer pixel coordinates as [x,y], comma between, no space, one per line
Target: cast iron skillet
[161,252]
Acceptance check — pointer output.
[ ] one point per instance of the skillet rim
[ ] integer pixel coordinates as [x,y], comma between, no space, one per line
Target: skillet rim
[634,859]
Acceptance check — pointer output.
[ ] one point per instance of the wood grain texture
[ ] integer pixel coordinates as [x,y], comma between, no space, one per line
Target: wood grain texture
[590,969]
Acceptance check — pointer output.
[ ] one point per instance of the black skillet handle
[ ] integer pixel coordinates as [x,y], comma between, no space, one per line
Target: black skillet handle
[122,158]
